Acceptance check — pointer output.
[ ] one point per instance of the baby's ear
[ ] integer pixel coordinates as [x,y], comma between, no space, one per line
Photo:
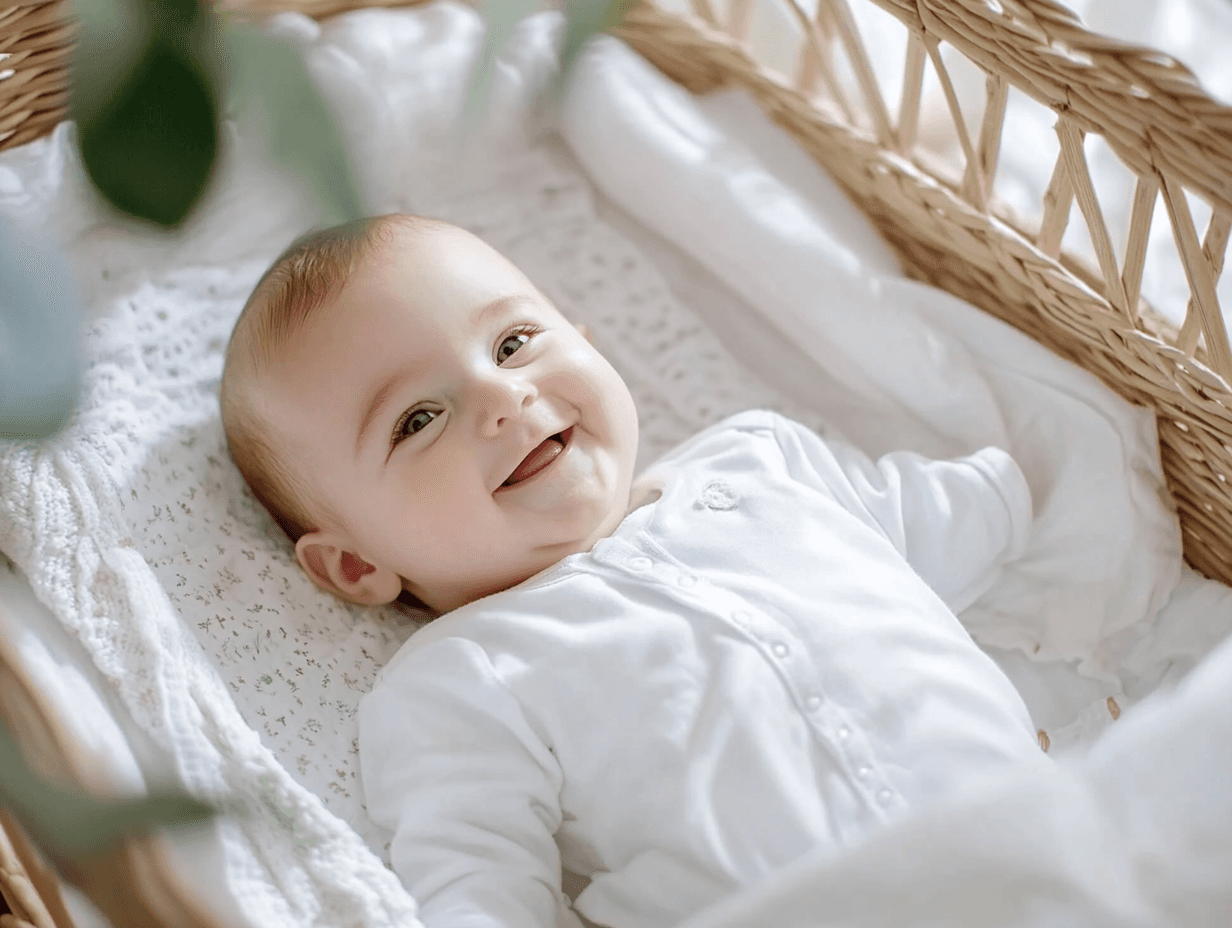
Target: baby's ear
[327,560]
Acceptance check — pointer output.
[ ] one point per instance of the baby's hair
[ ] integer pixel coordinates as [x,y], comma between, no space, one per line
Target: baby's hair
[313,270]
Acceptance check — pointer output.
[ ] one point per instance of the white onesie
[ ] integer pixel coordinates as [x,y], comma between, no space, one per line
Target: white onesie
[750,667]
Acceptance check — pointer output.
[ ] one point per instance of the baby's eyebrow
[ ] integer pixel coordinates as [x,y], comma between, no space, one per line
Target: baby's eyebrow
[379,399]
[500,306]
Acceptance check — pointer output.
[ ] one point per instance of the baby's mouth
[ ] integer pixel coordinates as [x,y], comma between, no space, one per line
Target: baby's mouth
[544,454]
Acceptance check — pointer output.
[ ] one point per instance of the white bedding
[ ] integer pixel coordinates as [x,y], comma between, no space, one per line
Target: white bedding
[134,528]
[1136,833]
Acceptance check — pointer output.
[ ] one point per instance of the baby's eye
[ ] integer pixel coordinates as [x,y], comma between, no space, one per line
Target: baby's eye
[411,422]
[510,344]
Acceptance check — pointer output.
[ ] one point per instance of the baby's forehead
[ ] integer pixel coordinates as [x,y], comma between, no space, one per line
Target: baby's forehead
[411,271]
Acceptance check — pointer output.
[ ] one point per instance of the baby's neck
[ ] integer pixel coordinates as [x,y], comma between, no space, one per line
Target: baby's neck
[645,489]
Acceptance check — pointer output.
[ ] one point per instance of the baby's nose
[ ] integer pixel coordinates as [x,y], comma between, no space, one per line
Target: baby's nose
[506,401]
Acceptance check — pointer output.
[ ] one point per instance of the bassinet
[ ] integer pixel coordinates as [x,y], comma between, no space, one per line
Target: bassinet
[946,225]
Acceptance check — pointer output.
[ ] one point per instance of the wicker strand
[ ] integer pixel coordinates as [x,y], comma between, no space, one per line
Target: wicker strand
[960,126]
[913,84]
[818,62]
[812,51]
[996,91]
[740,19]
[22,896]
[1088,203]
[808,70]
[703,9]
[1201,278]
[35,41]
[857,55]
[1214,246]
[1146,191]
[1058,198]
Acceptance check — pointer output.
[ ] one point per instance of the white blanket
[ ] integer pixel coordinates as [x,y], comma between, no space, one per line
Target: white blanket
[134,528]
[1138,833]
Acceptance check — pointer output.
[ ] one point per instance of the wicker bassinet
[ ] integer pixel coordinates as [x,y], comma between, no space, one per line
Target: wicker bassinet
[947,226]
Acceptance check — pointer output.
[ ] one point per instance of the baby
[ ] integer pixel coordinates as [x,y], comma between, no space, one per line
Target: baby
[673,686]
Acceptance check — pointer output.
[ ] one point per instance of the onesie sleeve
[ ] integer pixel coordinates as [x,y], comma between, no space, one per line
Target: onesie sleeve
[956,522]
[451,766]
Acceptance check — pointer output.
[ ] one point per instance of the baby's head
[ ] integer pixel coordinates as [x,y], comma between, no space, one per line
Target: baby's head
[419,418]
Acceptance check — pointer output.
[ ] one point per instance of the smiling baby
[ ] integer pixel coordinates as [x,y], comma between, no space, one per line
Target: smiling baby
[672,687]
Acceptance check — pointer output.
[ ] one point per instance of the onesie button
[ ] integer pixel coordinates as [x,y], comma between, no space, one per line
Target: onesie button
[719,496]
[884,797]
[780,649]
[864,772]
[641,563]
[813,703]
[688,580]
[843,733]
[741,616]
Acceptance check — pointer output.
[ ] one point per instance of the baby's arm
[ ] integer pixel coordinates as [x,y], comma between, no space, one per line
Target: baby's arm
[954,521]
[452,767]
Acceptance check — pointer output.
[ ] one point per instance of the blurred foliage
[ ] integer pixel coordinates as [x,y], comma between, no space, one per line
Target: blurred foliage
[68,824]
[583,20]
[40,366]
[501,17]
[145,99]
[586,18]
[150,79]
[270,87]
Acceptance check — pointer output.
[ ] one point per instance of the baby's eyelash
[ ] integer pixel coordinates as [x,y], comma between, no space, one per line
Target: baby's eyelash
[528,329]
[400,433]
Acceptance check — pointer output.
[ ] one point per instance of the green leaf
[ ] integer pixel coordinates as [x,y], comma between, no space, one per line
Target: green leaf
[111,38]
[501,16]
[583,19]
[586,18]
[270,85]
[146,111]
[39,341]
[151,150]
[69,824]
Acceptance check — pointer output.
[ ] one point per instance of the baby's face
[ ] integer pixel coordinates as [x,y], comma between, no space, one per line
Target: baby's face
[465,434]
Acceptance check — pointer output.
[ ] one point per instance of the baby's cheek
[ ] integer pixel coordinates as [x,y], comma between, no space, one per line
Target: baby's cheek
[454,518]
